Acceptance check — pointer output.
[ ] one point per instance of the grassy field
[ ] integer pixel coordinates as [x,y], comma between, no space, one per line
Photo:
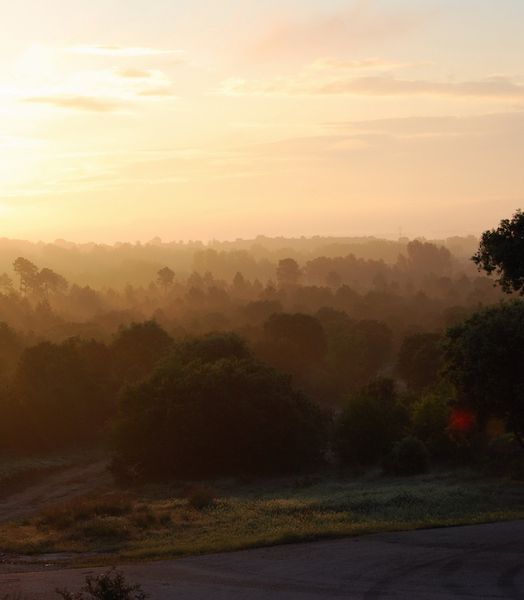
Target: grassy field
[157,522]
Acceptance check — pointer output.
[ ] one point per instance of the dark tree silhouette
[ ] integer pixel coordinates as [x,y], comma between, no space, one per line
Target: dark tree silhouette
[501,252]
[288,273]
[374,419]
[225,414]
[28,274]
[165,278]
[137,349]
[420,359]
[484,359]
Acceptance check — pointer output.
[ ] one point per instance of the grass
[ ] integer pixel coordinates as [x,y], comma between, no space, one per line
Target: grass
[157,522]
[18,473]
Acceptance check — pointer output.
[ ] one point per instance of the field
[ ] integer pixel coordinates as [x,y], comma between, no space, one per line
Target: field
[160,522]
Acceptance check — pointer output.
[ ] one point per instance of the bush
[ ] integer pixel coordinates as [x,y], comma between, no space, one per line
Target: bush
[431,420]
[408,457]
[200,497]
[373,421]
[108,586]
[232,416]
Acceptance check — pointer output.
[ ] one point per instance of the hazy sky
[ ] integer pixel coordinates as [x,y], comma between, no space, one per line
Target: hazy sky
[126,119]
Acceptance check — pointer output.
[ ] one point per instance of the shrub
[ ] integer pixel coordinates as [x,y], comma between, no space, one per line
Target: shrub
[408,457]
[108,586]
[200,497]
[373,421]
[431,419]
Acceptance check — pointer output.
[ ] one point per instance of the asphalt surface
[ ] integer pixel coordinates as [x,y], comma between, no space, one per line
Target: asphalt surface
[482,561]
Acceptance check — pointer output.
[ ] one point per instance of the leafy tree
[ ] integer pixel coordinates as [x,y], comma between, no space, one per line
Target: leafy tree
[217,414]
[137,349]
[28,274]
[426,258]
[49,281]
[288,272]
[293,343]
[501,251]
[484,357]
[165,278]
[374,419]
[419,360]
[6,284]
[65,391]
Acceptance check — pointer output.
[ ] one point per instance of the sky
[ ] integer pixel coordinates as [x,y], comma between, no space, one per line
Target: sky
[122,120]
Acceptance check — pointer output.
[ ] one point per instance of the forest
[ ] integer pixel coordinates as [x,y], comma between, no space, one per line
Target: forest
[250,358]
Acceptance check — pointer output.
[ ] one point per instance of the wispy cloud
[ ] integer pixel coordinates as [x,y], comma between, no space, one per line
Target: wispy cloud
[82,103]
[495,88]
[362,64]
[124,51]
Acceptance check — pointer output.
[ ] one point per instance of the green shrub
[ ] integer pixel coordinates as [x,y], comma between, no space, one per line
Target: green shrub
[408,457]
[431,418]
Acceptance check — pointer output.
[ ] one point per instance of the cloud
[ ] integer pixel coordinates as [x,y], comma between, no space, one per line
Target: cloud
[123,51]
[135,73]
[361,23]
[81,103]
[363,64]
[494,88]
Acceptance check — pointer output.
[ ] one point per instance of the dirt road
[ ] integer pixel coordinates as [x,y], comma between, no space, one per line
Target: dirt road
[68,483]
[483,561]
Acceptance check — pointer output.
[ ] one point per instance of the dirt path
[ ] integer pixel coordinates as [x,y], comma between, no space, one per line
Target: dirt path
[68,483]
[482,561]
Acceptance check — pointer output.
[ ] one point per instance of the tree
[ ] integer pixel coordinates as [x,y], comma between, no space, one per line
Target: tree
[137,349]
[484,358]
[65,391]
[49,281]
[293,343]
[426,258]
[165,278]
[374,419]
[6,284]
[501,252]
[212,410]
[288,273]
[28,274]
[419,360]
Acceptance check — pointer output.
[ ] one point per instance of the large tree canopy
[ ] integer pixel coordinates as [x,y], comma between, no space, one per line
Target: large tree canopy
[485,360]
[501,252]
[213,410]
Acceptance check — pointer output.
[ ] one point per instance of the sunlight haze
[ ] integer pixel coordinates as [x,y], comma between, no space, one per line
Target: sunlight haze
[129,119]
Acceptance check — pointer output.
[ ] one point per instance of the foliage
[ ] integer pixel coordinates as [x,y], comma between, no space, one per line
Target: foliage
[431,418]
[374,419]
[484,358]
[294,343]
[229,415]
[108,586]
[65,391]
[408,457]
[419,360]
[138,348]
[501,251]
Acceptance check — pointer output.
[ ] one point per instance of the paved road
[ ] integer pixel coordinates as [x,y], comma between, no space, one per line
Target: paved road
[485,561]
